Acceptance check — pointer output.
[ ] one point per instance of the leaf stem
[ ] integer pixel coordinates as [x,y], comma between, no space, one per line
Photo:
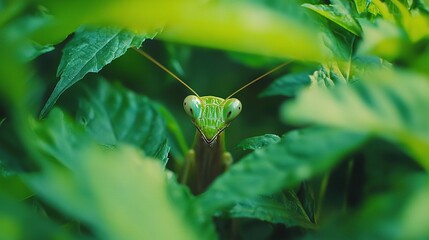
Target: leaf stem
[322,191]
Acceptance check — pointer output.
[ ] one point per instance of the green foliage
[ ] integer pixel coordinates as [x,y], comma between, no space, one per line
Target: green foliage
[257,24]
[284,208]
[89,51]
[364,6]
[76,173]
[114,115]
[15,217]
[383,104]
[98,165]
[34,50]
[339,13]
[280,165]
[395,35]
[390,215]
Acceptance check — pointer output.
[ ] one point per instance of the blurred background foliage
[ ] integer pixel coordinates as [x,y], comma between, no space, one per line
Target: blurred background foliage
[333,146]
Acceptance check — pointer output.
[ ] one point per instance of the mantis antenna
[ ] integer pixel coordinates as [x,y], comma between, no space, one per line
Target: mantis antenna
[195,93]
[259,78]
[166,70]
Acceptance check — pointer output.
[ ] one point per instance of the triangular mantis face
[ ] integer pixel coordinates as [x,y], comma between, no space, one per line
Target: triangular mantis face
[211,115]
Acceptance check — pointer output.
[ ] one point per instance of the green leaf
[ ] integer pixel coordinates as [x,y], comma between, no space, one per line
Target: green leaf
[328,75]
[390,104]
[58,138]
[339,14]
[254,143]
[363,6]
[336,72]
[384,39]
[398,214]
[89,51]
[298,156]
[287,85]
[276,34]
[19,221]
[282,208]
[16,29]
[32,50]
[114,115]
[322,78]
[118,192]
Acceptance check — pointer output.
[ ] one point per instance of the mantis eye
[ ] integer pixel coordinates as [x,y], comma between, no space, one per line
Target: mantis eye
[192,106]
[231,109]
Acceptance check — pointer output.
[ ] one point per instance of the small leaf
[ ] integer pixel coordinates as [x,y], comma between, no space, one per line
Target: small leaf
[383,103]
[254,143]
[114,114]
[118,192]
[89,51]
[327,76]
[363,6]
[33,50]
[339,14]
[287,85]
[298,156]
[278,208]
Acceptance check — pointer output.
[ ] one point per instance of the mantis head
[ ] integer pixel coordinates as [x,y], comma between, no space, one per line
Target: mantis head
[211,115]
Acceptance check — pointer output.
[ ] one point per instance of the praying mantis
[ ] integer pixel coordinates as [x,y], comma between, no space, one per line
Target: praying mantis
[211,116]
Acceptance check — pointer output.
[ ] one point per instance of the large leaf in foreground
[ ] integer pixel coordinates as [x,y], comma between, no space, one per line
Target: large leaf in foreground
[19,221]
[240,26]
[89,51]
[119,193]
[298,156]
[388,103]
[114,114]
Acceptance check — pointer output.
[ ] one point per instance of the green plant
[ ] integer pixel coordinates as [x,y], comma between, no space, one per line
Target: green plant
[93,151]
